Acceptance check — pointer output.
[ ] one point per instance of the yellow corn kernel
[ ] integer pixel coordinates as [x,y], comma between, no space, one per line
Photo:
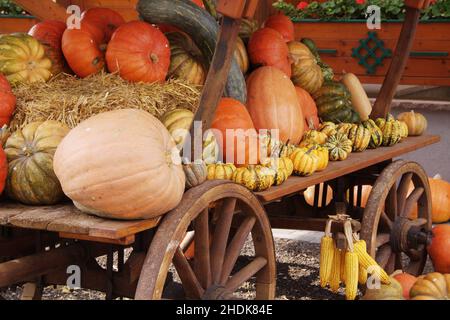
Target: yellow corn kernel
[367,262]
[343,266]
[326,259]
[351,275]
[336,271]
[362,275]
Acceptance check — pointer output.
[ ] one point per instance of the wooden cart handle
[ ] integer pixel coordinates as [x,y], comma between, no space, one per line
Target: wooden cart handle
[237,9]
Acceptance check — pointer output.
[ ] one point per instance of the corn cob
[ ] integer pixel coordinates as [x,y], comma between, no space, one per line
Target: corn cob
[368,263]
[362,275]
[351,275]
[326,255]
[336,271]
[343,266]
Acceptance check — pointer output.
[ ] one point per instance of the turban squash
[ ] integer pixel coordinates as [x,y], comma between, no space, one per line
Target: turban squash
[121,164]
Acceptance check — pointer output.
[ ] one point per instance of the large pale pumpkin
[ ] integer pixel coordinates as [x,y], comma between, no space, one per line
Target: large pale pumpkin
[121,164]
[273,104]
[306,73]
[309,109]
[30,151]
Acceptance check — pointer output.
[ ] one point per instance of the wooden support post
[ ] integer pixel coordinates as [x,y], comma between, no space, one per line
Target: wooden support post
[44,9]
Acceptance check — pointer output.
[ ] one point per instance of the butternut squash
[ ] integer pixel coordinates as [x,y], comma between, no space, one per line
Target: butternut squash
[359,98]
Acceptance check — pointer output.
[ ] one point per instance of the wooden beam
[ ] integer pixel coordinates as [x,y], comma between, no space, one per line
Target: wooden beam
[43,9]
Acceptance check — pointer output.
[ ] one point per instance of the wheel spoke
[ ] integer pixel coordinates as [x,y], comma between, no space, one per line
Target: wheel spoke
[383,254]
[191,285]
[235,247]
[387,220]
[416,265]
[202,265]
[402,191]
[245,274]
[411,201]
[226,210]
[391,203]
[383,238]
[390,265]
[398,261]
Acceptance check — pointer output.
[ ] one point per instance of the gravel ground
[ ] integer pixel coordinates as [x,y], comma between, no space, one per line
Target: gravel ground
[297,277]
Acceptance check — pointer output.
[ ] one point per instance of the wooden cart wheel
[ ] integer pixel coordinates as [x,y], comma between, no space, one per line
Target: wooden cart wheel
[389,233]
[209,274]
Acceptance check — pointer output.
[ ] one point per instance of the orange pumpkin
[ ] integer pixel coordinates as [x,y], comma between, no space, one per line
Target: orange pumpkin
[309,108]
[4,83]
[439,248]
[49,33]
[268,48]
[233,115]
[84,49]
[283,25]
[273,104]
[139,52]
[7,101]
[105,19]
[3,169]
[406,280]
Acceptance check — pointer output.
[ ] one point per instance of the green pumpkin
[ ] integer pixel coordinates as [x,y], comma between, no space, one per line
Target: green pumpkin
[31,179]
[334,104]
[376,138]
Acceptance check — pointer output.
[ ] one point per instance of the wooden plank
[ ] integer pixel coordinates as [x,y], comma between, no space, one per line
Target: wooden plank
[44,9]
[122,241]
[114,229]
[9,210]
[40,217]
[355,162]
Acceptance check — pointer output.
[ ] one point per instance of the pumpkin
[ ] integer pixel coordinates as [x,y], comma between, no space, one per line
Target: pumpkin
[391,132]
[220,171]
[121,164]
[255,178]
[84,49]
[30,152]
[247,28]
[416,122]
[305,71]
[268,48]
[360,137]
[241,55]
[49,33]
[139,52]
[433,286]
[105,19]
[328,73]
[309,108]
[310,191]
[280,163]
[339,147]
[404,132]
[195,172]
[273,104]
[438,249]
[3,169]
[406,280]
[392,291]
[323,156]
[344,128]
[376,135]
[4,84]
[178,122]
[185,59]
[315,136]
[360,100]
[232,118]
[334,104]
[282,24]
[440,196]
[7,101]
[23,59]
[329,128]
[305,161]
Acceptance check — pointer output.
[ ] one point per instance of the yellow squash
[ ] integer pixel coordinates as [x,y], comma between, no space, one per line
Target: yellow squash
[220,171]
[305,162]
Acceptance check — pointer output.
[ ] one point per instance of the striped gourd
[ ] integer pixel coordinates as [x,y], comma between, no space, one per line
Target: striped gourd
[391,132]
[367,262]
[305,161]
[339,147]
[344,128]
[351,275]
[220,171]
[315,136]
[403,129]
[322,155]
[376,138]
[360,136]
[335,278]
[329,128]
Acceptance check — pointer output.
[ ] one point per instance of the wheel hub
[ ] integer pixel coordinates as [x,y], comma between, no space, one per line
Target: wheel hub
[408,235]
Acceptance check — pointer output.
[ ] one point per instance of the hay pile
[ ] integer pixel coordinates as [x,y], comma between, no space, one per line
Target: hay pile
[71,100]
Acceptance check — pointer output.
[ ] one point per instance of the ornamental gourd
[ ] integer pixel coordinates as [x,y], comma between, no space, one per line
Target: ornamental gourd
[376,135]
[23,60]
[327,71]
[305,161]
[273,104]
[247,28]
[185,59]
[255,178]
[339,147]
[121,164]
[30,152]
[360,137]
[433,286]
[241,56]
[178,123]
[438,249]
[309,108]
[139,52]
[328,128]
[315,136]
[391,291]
[323,156]
[195,172]
[268,48]
[305,71]
[49,33]
[391,131]
[7,101]
[104,18]
[416,122]
[220,171]
[282,24]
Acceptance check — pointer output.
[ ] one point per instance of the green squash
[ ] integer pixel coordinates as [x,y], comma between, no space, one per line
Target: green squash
[31,179]
[328,73]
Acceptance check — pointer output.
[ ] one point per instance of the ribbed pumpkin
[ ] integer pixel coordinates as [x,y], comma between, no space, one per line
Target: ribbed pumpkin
[185,59]
[360,136]
[7,101]
[376,135]
[49,33]
[438,249]
[433,286]
[23,60]
[121,164]
[195,172]
[268,48]
[305,71]
[178,123]
[106,19]
[232,116]
[241,56]
[339,147]
[273,104]
[30,151]
[305,161]
[3,169]
[247,28]
[309,108]
[139,52]
[416,122]
[282,24]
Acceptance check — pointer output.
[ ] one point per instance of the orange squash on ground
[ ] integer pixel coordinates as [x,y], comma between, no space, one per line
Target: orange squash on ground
[233,115]
[268,48]
[139,52]
[439,248]
[309,108]
[106,19]
[283,25]
[121,164]
[273,104]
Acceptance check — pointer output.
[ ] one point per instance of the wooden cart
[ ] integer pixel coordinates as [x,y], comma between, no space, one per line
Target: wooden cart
[37,244]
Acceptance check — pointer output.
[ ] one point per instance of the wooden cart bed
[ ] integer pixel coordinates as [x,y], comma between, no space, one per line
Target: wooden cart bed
[72,223]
